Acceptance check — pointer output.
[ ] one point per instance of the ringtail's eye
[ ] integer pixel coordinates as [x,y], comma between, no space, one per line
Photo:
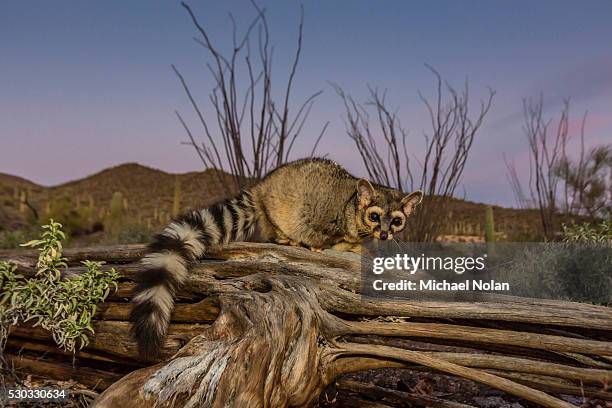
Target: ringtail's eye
[397,221]
[375,217]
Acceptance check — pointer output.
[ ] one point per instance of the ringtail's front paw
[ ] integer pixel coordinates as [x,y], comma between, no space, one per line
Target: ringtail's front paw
[358,249]
[347,247]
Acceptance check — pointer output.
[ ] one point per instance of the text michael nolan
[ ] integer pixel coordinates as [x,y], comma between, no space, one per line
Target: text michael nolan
[440,286]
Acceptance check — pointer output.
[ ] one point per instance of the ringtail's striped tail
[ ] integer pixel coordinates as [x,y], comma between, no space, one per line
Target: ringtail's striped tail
[168,260]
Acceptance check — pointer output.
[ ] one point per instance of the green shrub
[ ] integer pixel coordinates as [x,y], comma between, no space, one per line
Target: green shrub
[65,307]
[129,234]
[583,272]
[11,239]
[575,271]
[587,232]
[64,211]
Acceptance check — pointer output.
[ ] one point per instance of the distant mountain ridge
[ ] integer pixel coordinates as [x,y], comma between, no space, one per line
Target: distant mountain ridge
[148,193]
[148,196]
[9,179]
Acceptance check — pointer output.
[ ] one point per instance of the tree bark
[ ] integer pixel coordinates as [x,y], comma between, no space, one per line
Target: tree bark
[265,325]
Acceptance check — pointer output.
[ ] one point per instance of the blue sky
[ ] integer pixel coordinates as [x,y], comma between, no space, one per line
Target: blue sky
[86,85]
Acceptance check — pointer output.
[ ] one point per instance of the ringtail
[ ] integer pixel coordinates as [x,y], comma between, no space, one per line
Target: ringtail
[313,203]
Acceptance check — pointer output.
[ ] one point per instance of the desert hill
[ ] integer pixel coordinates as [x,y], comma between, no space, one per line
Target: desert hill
[10,180]
[148,197]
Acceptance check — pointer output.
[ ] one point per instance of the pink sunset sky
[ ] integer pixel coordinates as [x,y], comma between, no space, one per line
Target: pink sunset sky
[85,86]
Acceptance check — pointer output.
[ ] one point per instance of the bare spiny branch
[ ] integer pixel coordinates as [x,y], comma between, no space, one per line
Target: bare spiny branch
[250,135]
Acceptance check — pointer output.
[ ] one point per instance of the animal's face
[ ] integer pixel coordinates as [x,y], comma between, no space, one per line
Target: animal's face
[382,213]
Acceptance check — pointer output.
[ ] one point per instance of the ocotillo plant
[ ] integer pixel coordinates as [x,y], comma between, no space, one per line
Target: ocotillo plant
[176,205]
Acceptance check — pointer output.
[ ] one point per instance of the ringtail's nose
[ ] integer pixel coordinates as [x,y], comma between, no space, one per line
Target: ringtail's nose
[384,235]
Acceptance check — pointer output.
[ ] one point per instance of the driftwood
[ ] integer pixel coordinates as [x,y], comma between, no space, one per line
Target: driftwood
[265,325]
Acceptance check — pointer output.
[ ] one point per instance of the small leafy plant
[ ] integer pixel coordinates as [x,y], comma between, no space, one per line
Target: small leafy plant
[601,232]
[64,306]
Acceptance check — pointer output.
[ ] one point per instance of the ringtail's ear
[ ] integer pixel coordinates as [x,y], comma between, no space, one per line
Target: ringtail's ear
[365,192]
[410,202]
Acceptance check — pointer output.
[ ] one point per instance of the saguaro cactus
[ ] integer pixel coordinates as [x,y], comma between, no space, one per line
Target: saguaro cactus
[23,198]
[115,216]
[116,206]
[489,225]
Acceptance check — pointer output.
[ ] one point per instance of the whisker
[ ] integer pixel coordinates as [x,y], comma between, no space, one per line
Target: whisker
[397,243]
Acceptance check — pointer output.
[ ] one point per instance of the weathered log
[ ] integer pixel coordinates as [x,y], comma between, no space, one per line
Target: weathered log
[96,379]
[114,338]
[267,325]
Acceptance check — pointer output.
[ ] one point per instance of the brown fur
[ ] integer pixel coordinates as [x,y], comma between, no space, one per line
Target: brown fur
[318,204]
